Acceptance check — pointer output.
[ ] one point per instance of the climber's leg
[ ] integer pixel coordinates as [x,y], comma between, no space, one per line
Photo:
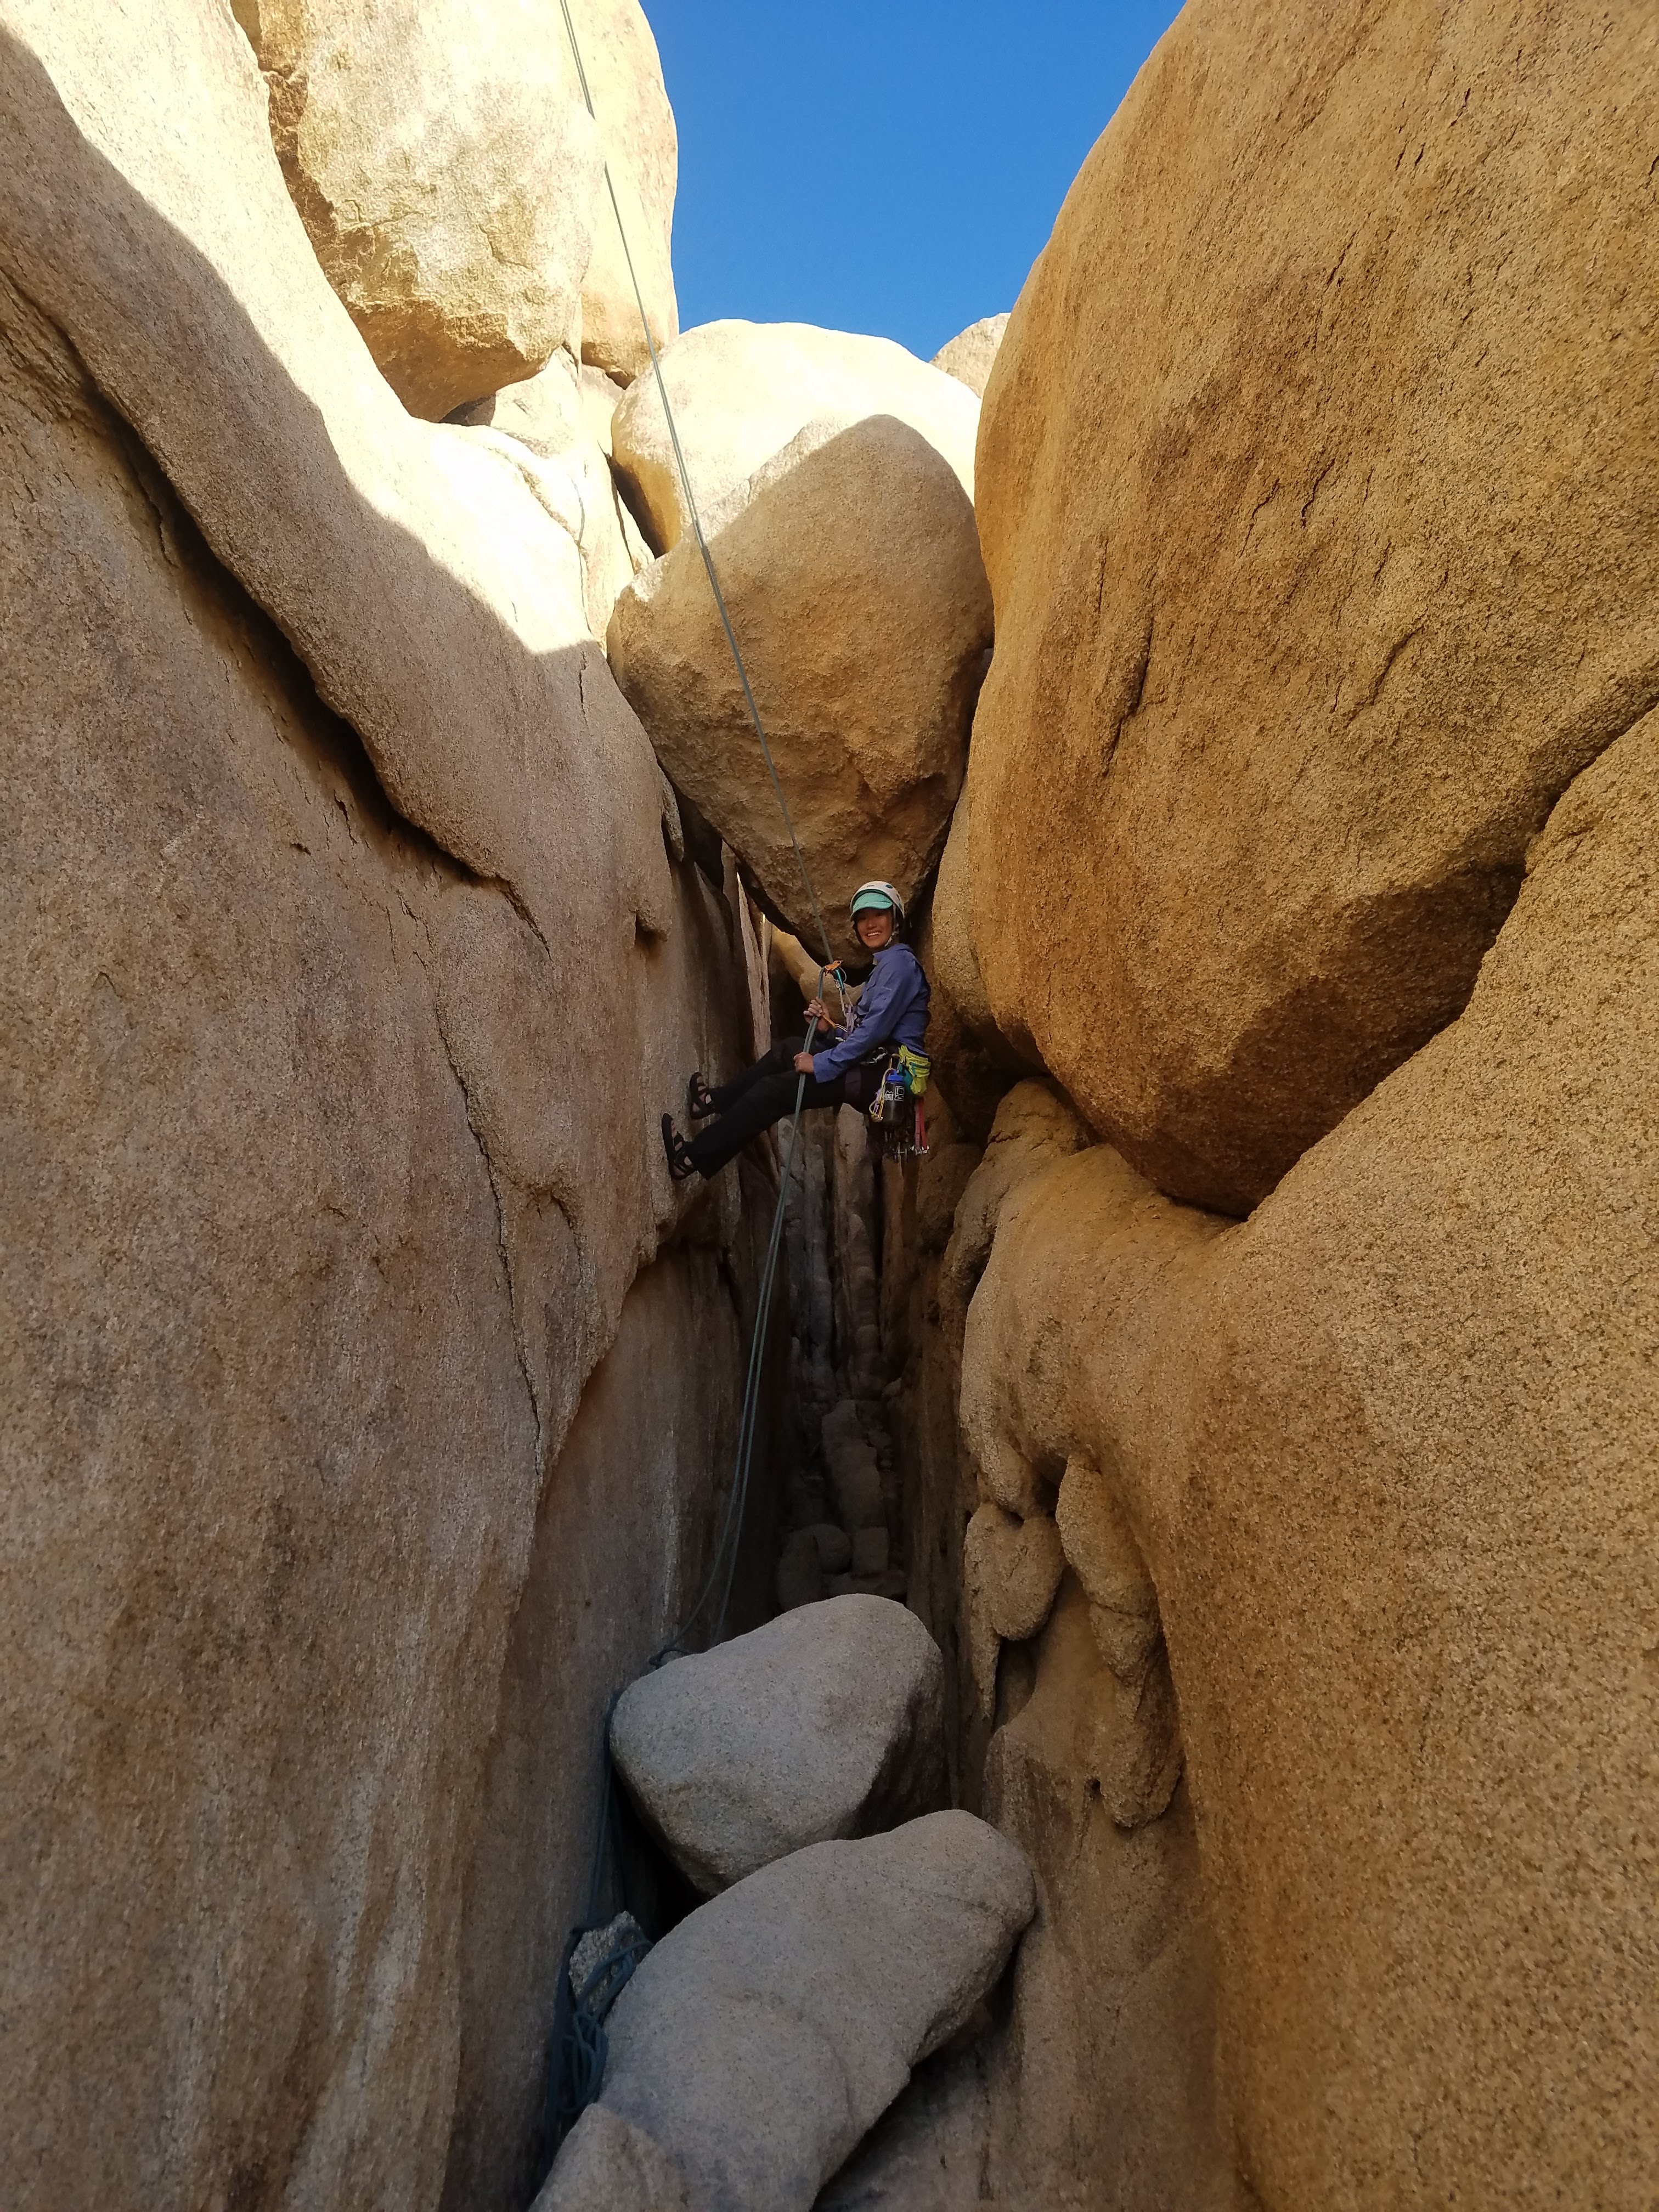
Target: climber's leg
[779,1061]
[764,1098]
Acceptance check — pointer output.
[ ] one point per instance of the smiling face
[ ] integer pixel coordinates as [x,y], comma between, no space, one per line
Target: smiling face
[875,928]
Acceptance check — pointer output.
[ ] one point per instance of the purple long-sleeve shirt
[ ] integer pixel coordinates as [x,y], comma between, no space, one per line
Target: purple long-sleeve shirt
[892,1009]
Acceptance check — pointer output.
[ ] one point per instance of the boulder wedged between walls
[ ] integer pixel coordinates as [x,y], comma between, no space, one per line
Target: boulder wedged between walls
[757,2043]
[825,1722]
[742,391]
[852,576]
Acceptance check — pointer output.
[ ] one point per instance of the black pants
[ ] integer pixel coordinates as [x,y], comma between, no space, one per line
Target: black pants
[764,1094]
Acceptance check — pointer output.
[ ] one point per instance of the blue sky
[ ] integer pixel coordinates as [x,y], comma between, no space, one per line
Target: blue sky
[892,166]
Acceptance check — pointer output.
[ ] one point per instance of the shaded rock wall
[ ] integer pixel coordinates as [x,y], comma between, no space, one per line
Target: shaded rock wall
[624,1526]
[1096,2083]
[1384,1448]
[333,1036]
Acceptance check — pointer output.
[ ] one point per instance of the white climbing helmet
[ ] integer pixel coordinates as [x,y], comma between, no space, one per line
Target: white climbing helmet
[868,897]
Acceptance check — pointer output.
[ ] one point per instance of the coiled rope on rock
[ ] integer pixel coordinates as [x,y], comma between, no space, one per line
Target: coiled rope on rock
[579,2047]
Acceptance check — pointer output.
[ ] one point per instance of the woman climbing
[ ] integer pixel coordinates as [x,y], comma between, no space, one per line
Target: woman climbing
[891,1013]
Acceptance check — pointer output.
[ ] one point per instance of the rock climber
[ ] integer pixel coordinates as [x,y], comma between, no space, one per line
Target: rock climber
[889,1022]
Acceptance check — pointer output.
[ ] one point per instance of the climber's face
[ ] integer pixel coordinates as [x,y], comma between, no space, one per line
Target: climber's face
[875,928]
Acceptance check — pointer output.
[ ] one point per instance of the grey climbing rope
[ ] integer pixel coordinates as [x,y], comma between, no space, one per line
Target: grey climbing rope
[691,509]
[579,2045]
[577,2058]
[732,1527]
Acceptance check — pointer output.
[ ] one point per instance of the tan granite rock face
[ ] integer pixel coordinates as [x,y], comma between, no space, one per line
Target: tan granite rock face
[741,392]
[548,429]
[327,832]
[642,150]
[1106,2079]
[1011,1571]
[1384,1451]
[449,174]
[970,355]
[1320,580]
[851,576]
[975,1064]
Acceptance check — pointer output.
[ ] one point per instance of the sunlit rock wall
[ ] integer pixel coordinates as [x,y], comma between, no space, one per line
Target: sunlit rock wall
[1307,841]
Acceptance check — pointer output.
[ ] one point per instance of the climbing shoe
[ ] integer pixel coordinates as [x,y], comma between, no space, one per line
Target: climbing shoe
[699,1100]
[680,1163]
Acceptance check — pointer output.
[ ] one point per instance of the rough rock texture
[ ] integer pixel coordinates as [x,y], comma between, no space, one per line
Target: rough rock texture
[1095,2087]
[637,138]
[833,1546]
[851,571]
[608,2165]
[825,1722]
[742,391]
[1320,580]
[850,1463]
[941,1217]
[968,356]
[1011,1569]
[800,1576]
[311,1245]
[973,1063]
[447,173]
[1099,1544]
[927,2153]
[604,1589]
[1102,2090]
[547,427]
[759,2040]
[1395,1434]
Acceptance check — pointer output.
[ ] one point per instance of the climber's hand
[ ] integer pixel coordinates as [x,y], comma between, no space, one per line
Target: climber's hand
[817,1012]
[803,1063]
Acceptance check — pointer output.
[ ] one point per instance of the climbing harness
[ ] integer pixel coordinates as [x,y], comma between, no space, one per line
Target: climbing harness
[899,1124]
[599,1956]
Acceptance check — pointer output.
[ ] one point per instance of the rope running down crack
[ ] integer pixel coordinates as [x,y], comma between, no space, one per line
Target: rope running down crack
[576,2069]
